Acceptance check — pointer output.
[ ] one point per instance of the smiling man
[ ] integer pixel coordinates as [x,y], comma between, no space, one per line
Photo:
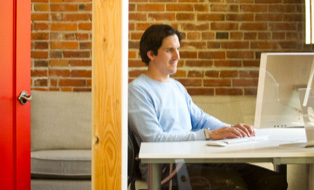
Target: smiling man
[160,109]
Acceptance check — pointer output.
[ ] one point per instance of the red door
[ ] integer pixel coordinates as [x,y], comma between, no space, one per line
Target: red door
[15,19]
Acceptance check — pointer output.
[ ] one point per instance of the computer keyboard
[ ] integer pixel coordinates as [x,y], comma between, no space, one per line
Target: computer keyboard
[245,139]
[226,142]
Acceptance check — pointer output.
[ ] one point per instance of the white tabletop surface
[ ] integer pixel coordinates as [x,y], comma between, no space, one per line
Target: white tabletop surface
[278,145]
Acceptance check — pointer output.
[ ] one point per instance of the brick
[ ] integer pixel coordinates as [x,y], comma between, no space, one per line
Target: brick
[77,0]
[136,63]
[185,16]
[267,1]
[191,82]
[151,7]
[268,17]
[193,36]
[161,16]
[193,45]
[212,55]
[64,45]
[55,54]
[208,35]
[248,74]
[264,45]
[136,36]
[253,26]
[250,35]
[137,16]
[235,45]
[39,54]
[59,73]
[236,35]
[39,17]
[41,63]
[200,91]
[224,8]
[86,7]
[72,82]
[69,36]
[293,18]
[85,26]
[39,73]
[41,45]
[222,35]
[240,54]
[58,62]
[210,17]
[228,74]
[227,63]
[212,74]
[244,82]
[132,54]
[217,82]
[41,7]
[41,26]
[85,45]
[179,7]
[82,36]
[41,82]
[76,54]
[198,63]
[80,63]
[201,7]
[63,27]
[250,91]
[264,35]
[254,63]
[63,7]
[53,82]
[282,26]
[229,91]
[253,8]
[195,73]
[179,73]
[188,54]
[81,73]
[136,73]
[224,26]
[288,45]
[39,1]
[286,8]
[77,17]
[195,26]
[240,17]
[213,45]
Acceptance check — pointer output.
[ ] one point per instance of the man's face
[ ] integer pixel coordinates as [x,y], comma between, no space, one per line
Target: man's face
[166,60]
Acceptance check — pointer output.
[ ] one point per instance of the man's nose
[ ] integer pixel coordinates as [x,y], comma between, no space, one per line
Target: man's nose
[176,54]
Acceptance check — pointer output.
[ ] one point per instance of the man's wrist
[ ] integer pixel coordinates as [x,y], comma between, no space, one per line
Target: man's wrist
[207,134]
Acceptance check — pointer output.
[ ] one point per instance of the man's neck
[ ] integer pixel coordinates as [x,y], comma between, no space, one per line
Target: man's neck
[157,76]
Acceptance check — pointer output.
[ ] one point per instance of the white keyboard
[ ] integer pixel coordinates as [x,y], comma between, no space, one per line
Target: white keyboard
[226,142]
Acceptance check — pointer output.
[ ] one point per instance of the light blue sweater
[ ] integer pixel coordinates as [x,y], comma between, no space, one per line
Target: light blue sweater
[164,111]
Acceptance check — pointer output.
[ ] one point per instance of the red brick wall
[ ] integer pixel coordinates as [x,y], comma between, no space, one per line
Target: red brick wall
[220,52]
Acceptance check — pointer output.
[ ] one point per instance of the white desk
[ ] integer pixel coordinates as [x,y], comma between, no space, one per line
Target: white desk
[271,150]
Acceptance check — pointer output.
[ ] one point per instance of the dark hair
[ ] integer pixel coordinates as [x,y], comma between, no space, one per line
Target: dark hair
[153,37]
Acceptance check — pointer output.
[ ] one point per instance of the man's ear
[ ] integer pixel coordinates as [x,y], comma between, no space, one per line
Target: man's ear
[150,54]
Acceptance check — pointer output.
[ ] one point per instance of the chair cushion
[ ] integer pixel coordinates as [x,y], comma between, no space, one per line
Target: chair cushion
[60,120]
[61,164]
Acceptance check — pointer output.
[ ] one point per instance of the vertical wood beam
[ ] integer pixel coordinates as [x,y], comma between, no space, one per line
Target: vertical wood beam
[109,89]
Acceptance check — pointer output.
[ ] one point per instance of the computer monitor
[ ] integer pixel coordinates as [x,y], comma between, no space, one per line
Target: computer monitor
[280,76]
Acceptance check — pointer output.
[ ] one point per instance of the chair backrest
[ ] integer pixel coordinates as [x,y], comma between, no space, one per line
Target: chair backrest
[133,162]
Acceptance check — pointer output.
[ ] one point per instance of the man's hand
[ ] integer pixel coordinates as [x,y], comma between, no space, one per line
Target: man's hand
[237,131]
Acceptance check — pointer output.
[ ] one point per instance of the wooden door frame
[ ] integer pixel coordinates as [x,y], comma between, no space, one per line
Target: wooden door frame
[109,94]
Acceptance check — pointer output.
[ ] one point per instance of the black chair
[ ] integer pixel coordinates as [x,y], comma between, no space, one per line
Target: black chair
[133,161]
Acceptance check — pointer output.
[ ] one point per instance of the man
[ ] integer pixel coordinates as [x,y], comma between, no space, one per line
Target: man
[160,109]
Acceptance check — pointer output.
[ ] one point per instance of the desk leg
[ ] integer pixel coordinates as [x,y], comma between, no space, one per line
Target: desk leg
[154,176]
[310,178]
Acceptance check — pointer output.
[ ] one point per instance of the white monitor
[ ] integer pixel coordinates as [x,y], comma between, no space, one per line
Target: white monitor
[280,76]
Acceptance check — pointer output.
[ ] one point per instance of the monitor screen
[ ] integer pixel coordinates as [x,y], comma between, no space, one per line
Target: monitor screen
[281,75]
